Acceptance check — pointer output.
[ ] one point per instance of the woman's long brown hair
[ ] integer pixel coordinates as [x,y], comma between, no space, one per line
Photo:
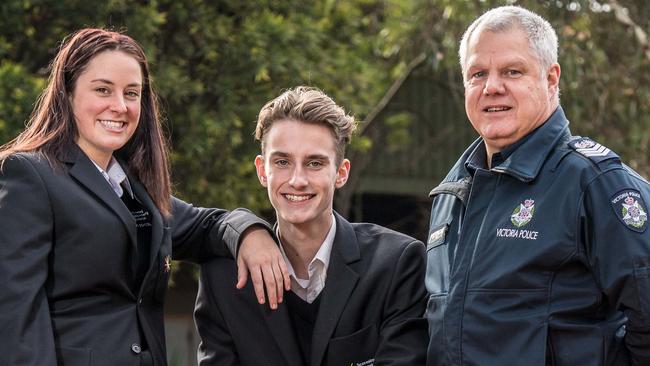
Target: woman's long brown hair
[52,128]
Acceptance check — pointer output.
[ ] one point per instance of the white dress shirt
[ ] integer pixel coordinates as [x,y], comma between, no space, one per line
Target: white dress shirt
[116,177]
[309,289]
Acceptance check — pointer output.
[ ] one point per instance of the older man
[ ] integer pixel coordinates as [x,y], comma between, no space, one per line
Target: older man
[538,249]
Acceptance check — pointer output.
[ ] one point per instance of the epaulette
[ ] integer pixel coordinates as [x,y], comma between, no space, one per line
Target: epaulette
[591,149]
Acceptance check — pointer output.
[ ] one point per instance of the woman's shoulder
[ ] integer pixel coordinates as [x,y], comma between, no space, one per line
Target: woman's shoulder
[33,156]
[31,160]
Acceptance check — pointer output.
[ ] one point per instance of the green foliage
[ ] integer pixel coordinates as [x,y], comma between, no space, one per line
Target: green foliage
[19,91]
[399,126]
[605,78]
[215,63]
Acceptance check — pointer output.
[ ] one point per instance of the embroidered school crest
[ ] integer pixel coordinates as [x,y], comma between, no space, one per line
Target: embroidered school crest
[523,213]
[631,209]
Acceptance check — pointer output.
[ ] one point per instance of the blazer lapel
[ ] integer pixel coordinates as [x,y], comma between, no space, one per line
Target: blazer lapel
[86,173]
[156,218]
[156,223]
[341,280]
[279,324]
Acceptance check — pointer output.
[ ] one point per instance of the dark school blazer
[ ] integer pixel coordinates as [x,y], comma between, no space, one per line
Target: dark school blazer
[371,309]
[67,245]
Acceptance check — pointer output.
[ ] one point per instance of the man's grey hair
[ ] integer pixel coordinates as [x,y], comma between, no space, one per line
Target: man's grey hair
[541,35]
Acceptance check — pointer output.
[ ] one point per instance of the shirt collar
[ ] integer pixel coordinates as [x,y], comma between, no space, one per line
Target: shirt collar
[116,177]
[523,159]
[500,157]
[324,252]
[477,158]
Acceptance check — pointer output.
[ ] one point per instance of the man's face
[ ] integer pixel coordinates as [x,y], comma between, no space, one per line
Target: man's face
[507,94]
[300,172]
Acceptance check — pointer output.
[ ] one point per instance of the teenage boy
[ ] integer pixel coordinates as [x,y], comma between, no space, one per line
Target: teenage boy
[357,290]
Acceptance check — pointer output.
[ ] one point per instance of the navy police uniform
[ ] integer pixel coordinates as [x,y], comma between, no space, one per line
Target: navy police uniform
[544,259]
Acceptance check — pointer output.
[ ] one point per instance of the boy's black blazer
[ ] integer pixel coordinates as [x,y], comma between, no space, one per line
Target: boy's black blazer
[371,309]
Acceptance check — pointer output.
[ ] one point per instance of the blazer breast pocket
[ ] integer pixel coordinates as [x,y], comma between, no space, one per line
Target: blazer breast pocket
[355,349]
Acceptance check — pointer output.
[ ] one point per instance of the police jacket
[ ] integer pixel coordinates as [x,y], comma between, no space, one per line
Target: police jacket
[544,259]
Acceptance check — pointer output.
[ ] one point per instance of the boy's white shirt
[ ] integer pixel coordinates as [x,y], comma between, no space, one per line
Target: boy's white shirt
[309,289]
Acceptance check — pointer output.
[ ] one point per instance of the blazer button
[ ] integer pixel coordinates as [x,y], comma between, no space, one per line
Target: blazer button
[136,348]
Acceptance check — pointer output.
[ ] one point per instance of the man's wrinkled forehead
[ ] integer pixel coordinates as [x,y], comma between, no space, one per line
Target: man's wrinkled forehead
[500,28]
[481,31]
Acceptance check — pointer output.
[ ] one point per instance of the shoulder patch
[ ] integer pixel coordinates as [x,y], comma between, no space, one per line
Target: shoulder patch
[630,208]
[591,149]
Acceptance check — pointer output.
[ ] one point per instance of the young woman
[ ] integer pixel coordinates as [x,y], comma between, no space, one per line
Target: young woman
[88,226]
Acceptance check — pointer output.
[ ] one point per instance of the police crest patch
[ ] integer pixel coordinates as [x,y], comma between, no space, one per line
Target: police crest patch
[523,213]
[584,144]
[631,209]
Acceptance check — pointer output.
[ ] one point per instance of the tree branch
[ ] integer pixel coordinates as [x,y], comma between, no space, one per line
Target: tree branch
[343,198]
[391,92]
[622,15]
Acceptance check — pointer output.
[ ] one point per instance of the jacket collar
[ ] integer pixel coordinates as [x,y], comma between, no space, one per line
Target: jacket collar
[70,153]
[342,277]
[156,224]
[347,240]
[278,323]
[82,169]
[344,233]
[525,162]
[85,172]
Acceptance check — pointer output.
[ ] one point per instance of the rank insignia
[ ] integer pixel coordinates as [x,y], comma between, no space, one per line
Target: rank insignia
[167,266]
[630,209]
[523,213]
[591,149]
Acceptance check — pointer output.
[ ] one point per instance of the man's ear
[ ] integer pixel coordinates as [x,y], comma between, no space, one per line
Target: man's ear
[553,79]
[261,172]
[343,173]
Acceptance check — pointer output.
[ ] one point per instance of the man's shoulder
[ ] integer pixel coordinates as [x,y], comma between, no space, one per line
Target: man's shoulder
[581,159]
[588,160]
[385,253]
[584,152]
[380,236]
[458,171]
